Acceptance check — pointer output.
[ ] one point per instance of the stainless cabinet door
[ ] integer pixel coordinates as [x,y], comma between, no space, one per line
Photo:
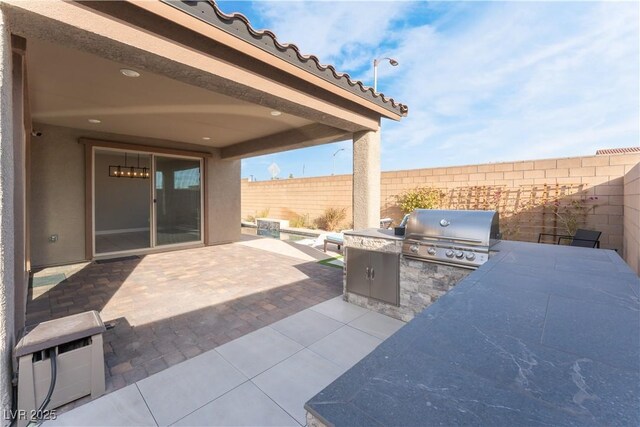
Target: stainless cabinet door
[385,277]
[358,271]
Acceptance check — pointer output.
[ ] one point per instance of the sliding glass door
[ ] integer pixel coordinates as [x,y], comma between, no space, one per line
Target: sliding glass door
[178,200]
[122,201]
[145,200]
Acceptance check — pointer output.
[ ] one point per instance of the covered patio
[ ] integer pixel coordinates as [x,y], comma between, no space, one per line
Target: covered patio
[176,93]
[169,307]
[237,334]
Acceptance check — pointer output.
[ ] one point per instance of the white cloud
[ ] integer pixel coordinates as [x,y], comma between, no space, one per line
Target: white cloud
[484,81]
[520,81]
[338,33]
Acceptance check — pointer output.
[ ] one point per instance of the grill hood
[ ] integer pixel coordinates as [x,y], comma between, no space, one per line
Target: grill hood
[473,228]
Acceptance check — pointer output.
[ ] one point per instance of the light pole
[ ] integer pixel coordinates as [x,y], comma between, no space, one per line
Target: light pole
[377,61]
[333,167]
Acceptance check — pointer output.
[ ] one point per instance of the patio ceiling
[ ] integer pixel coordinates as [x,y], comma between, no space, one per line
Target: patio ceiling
[197,80]
[69,87]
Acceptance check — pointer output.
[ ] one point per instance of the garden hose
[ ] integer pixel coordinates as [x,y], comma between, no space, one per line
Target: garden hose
[52,386]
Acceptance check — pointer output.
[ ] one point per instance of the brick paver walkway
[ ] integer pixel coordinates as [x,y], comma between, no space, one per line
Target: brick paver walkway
[172,306]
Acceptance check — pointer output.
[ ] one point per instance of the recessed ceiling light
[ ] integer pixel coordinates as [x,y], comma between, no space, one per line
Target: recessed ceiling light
[94,121]
[206,138]
[129,73]
[276,113]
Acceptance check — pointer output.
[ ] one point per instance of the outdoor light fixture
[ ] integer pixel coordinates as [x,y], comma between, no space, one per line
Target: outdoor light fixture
[376,62]
[129,73]
[276,113]
[206,138]
[94,121]
[333,167]
[119,171]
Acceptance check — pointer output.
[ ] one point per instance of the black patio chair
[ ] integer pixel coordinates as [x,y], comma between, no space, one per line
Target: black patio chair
[583,238]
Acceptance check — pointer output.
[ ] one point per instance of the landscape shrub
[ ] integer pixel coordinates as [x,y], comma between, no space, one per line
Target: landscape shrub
[331,219]
[301,221]
[261,214]
[420,198]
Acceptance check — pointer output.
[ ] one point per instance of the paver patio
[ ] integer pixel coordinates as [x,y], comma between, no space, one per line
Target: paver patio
[263,378]
[173,306]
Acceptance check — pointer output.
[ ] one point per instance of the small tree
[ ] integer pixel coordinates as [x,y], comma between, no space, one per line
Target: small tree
[573,215]
[420,198]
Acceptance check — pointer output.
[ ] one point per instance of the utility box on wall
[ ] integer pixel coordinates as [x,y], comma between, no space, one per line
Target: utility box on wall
[76,343]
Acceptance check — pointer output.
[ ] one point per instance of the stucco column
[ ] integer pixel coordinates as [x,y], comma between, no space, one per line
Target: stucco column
[222,199]
[6,217]
[366,179]
[21,274]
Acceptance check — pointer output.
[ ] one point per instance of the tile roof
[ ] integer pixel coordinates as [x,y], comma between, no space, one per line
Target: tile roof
[618,150]
[239,26]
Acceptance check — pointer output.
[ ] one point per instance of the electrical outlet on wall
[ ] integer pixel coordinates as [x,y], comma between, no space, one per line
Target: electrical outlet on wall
[53,238]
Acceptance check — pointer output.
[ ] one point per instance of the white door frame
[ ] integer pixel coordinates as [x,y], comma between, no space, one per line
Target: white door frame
[152,206]
[154,217]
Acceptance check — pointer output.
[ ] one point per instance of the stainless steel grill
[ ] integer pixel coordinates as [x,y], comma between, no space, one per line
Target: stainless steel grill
[460,238]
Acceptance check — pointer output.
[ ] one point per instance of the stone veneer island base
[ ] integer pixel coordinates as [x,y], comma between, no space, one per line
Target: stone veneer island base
[420,283]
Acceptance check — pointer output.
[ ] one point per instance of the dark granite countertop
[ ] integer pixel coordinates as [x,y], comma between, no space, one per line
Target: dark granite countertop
[539,335]
[376,233]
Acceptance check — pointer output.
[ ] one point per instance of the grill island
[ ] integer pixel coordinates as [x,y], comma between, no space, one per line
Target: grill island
[537,335]
[400,276]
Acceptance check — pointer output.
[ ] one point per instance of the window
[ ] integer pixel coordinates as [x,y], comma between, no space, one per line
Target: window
[159,180]
[187,178]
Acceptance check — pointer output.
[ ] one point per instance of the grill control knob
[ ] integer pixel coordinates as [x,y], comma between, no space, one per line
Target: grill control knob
[431,251]
[471,256]
[449,253]
[459,254]
[414,249]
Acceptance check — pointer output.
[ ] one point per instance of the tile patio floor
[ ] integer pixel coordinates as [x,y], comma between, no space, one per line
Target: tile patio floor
[174,306]
[263,378]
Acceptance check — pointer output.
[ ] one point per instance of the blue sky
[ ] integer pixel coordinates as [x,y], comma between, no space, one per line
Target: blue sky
[484,81]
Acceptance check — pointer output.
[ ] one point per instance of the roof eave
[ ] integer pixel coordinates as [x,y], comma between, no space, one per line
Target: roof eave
[236,32]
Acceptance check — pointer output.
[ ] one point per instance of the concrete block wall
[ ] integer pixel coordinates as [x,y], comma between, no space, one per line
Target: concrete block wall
[631,223]
[598,177]
[287,198]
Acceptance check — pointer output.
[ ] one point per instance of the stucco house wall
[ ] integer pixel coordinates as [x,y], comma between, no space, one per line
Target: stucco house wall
[57,196]
[7,243]
[57,202]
